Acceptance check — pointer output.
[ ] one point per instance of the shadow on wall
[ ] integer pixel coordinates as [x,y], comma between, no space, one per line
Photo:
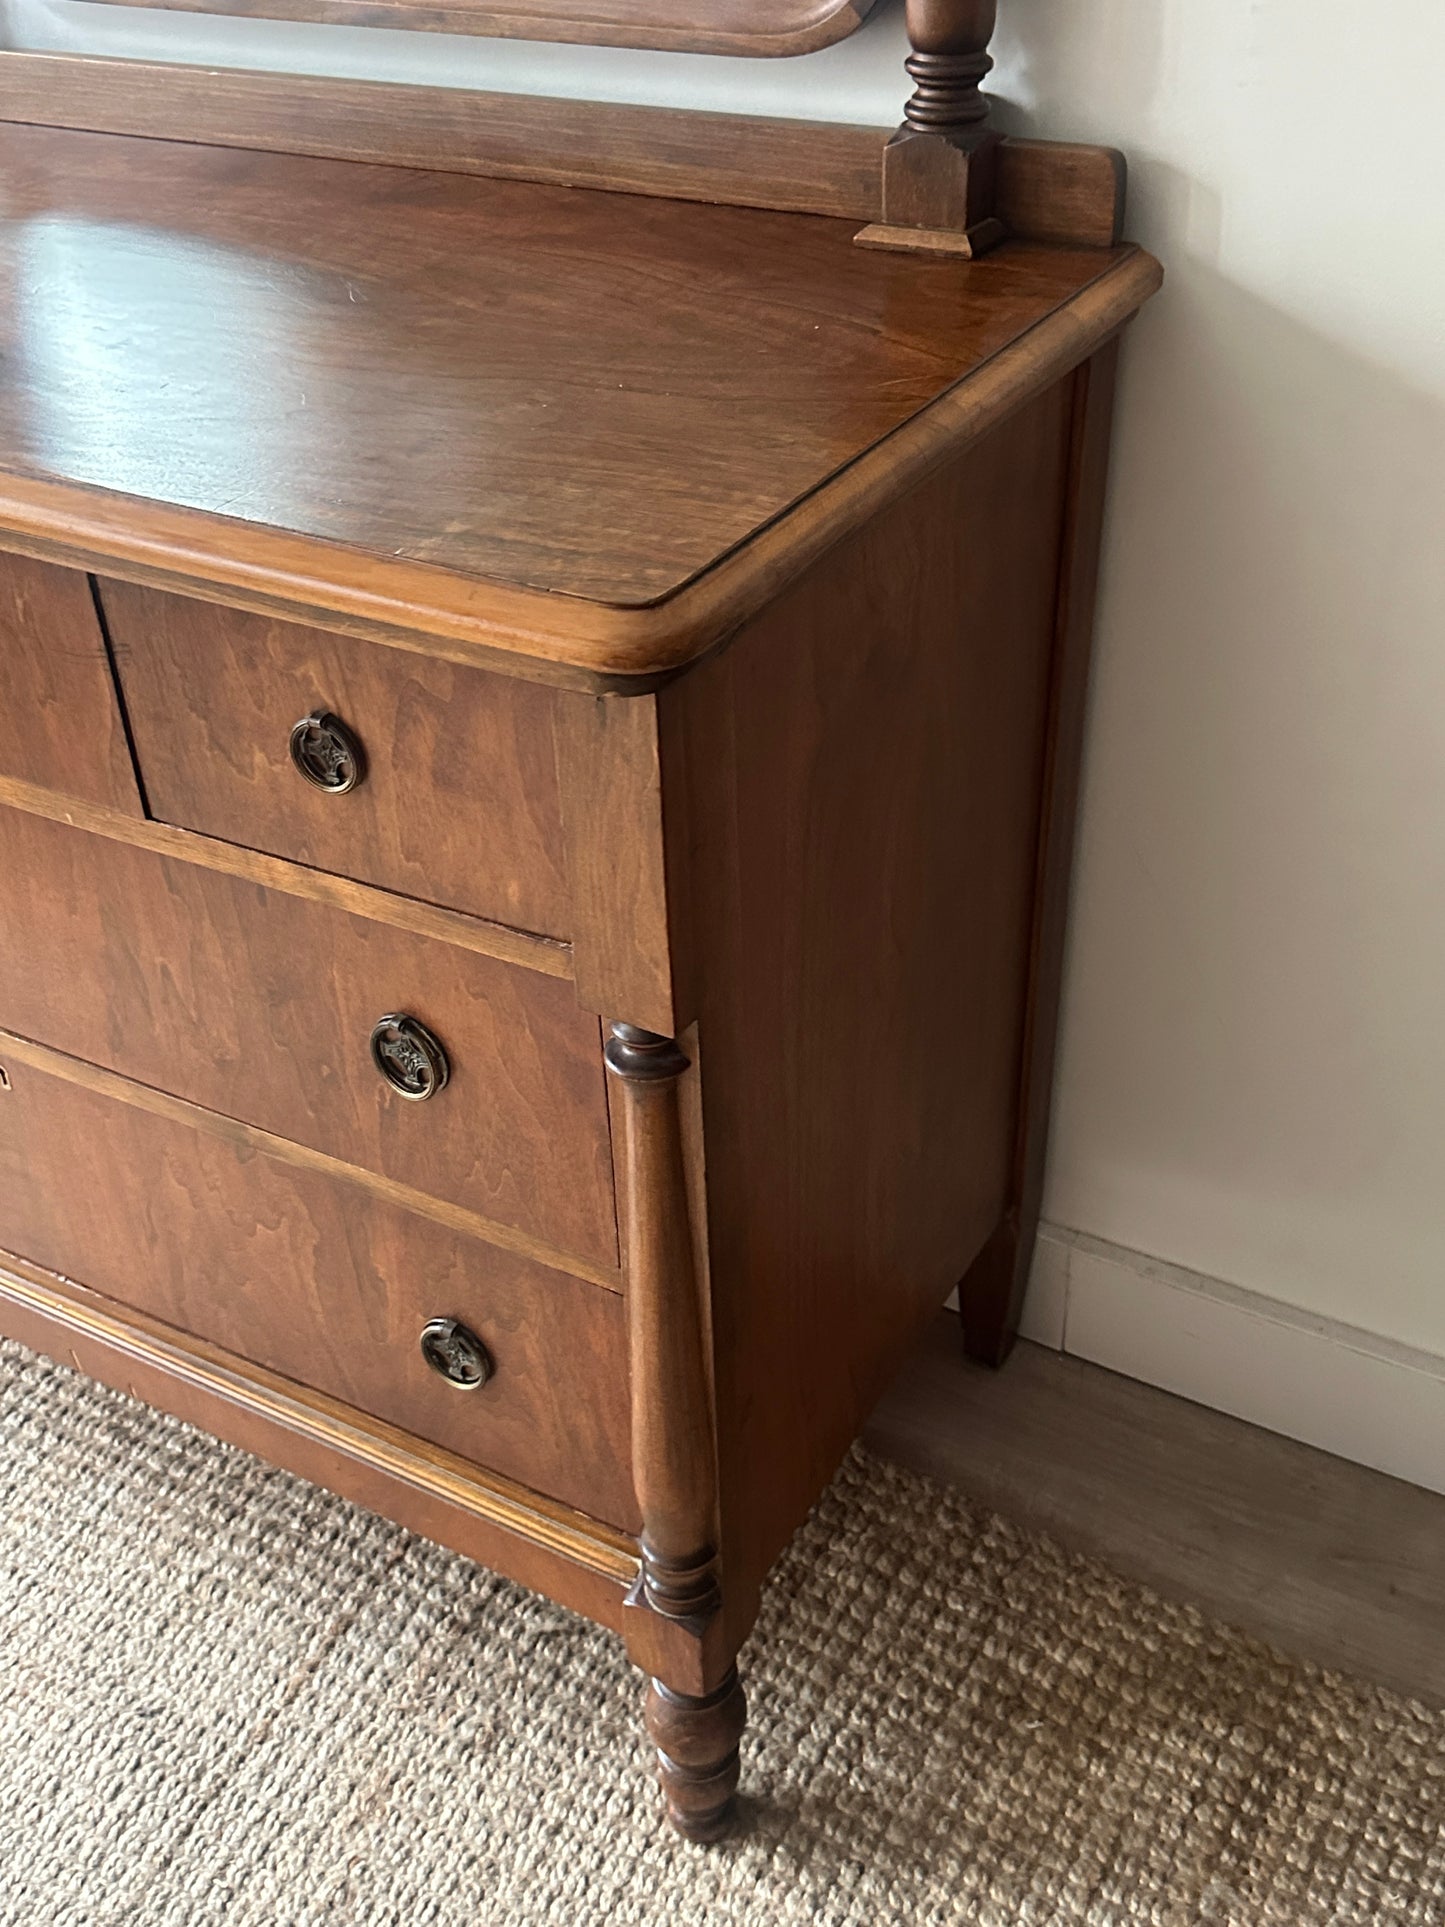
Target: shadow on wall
[1253,1071]
[1057,56]
[1252,1078]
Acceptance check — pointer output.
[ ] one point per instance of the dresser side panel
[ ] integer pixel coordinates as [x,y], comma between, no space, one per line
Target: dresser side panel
[861,773]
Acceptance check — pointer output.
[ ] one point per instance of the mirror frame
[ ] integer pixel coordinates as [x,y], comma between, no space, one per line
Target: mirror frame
[749,27]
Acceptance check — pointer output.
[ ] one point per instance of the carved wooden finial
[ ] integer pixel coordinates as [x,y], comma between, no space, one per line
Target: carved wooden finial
[949,62]
[939,169]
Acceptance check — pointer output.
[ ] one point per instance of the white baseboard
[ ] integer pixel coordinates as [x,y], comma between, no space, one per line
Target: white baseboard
[1348,1391]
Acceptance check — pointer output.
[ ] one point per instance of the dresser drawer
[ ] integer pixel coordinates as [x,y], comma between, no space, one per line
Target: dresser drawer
[60,724]
[453,793]
[312,1277]
[261,1006]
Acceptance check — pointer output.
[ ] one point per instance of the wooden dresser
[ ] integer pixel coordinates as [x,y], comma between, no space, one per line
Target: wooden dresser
[538,735]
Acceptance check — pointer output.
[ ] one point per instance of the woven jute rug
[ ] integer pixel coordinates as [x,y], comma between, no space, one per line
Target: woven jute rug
[227,1697]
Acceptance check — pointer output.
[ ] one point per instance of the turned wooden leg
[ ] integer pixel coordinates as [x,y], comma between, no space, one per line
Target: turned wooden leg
[697,1743]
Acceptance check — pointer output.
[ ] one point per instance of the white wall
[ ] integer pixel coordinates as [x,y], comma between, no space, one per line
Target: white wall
[1253,1074]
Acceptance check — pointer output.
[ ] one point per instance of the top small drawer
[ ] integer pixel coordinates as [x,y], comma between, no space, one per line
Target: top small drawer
[434,780]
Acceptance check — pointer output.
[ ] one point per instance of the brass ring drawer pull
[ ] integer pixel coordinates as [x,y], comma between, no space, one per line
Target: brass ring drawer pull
[326,753]
[411,1060]
[456,1354]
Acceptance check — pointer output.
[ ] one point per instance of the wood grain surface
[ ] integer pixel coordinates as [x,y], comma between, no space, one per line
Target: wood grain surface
[543,954]
[306,1277]
[624,954]
[593,395]
[562,640]
[260,1006]
[459,802]
[60,725]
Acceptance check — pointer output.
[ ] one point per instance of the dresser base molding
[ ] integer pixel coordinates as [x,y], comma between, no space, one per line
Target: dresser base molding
[525,1537]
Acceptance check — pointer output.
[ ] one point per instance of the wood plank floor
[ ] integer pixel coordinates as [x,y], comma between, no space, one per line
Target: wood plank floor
[1324,1558]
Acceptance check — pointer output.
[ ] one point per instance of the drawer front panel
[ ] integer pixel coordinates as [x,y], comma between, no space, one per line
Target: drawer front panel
[261,1006]
[60,723]
[315,1279]
[457,799]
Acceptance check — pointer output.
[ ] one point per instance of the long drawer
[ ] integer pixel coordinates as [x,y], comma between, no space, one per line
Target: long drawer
[262,1006]
[311,1277]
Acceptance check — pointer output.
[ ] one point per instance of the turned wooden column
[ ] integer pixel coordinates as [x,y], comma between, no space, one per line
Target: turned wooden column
[949,62]
[695,1709]
[940,168]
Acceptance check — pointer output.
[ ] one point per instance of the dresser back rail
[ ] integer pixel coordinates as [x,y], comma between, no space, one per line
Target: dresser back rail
[1047,190]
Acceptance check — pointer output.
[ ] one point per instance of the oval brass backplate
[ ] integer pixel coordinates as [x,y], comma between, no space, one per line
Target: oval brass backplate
[326,753]
[456,1354]
[411,1060]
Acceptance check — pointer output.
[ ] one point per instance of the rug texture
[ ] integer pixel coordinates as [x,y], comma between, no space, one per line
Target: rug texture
[226,1697]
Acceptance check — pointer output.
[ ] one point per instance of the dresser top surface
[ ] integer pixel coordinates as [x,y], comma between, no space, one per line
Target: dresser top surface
[551,389]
